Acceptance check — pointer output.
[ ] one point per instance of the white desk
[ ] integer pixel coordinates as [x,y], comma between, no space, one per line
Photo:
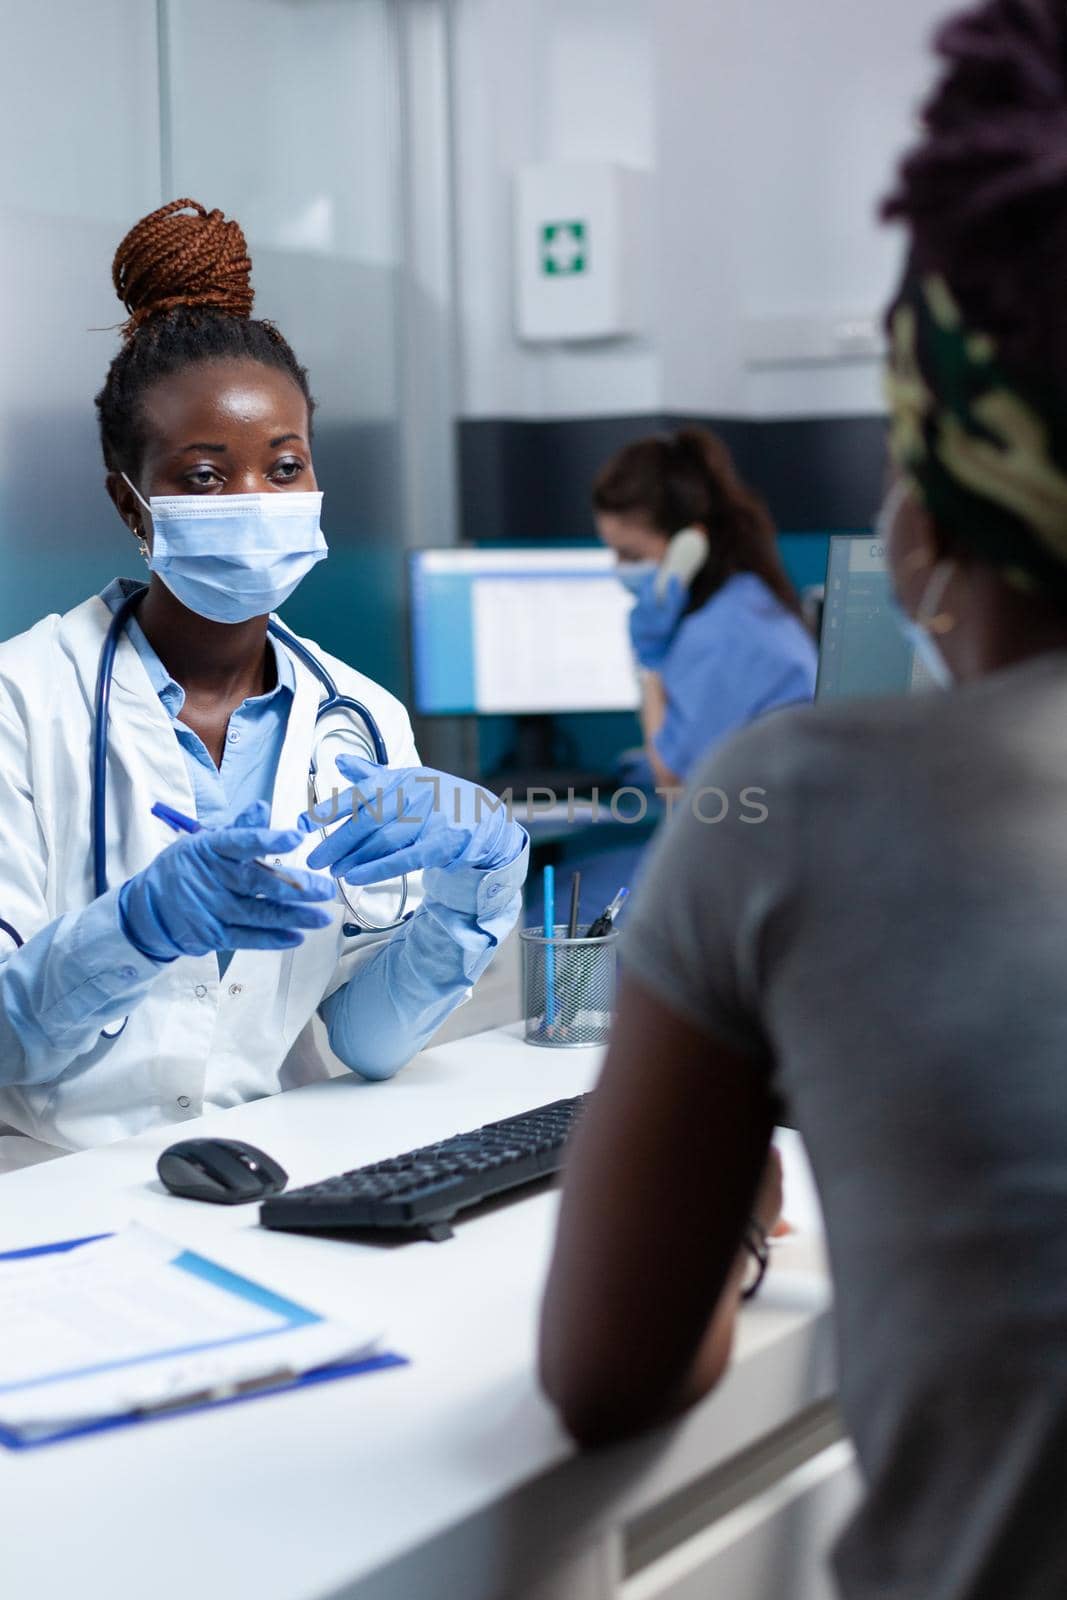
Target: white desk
[445,1480]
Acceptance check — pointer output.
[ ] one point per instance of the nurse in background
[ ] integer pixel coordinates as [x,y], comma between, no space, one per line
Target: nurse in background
[731,646]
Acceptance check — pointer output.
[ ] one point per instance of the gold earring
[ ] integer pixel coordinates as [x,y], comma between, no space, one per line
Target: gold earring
[142,542]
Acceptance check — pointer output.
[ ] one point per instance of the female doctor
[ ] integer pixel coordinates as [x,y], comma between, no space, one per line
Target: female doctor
[151,976]
[729,646]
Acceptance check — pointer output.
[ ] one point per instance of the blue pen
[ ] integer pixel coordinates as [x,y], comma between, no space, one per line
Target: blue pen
[183,824]
[176,819]
[549,882]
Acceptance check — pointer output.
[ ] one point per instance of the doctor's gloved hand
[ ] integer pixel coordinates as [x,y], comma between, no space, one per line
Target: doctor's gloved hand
[654,621]
[403,819]
[206,892]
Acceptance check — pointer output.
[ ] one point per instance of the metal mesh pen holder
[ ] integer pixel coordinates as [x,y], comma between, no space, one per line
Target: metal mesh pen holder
[568,988]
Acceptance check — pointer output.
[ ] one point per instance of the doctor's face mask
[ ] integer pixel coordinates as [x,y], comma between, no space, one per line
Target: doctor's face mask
[231,557]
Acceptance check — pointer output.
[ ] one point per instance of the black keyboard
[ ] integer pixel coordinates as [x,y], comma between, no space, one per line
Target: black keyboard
[421,1191]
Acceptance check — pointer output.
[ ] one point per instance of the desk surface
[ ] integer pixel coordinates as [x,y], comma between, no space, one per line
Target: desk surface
[634,817]
[446,1478]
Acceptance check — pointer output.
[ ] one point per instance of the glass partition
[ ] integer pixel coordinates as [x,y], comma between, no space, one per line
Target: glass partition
[79,118]
[284,113]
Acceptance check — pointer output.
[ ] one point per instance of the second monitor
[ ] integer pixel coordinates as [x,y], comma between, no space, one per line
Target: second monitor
[514,632]
[863,651]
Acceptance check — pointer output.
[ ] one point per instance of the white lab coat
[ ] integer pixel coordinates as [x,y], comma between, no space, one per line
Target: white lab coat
[196,1042]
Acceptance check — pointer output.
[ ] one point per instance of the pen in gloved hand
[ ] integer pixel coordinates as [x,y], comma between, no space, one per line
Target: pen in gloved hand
[183,824]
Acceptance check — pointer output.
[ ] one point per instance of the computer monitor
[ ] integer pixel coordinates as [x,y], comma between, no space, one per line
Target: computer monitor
[520,632]
[863,651]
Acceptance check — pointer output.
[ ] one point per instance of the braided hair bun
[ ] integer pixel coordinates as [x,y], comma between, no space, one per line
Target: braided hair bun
[182,255]
[183,274]
[985,190]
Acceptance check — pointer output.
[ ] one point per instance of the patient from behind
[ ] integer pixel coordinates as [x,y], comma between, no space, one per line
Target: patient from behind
[887,948]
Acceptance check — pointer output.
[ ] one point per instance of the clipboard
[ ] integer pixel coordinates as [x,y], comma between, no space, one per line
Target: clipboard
[307,1380]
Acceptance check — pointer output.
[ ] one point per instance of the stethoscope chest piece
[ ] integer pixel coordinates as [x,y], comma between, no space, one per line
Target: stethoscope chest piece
[344,726]
[379,907]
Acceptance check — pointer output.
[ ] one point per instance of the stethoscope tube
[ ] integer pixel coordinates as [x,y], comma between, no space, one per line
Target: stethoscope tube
[102,710]
[98,803]
[98,793]
[333,701]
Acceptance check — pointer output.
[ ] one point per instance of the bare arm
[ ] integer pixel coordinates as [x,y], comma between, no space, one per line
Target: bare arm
[653,715]
[643,1289]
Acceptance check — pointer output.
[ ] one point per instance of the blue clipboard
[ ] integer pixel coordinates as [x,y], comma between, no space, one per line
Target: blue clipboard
[309,1380]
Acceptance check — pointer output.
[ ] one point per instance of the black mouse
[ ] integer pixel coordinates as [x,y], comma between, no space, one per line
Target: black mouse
[223,1170]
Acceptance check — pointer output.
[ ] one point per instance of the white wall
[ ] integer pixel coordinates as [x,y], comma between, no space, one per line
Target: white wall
[542,80]
[771,126]
[287,109]
[779,125]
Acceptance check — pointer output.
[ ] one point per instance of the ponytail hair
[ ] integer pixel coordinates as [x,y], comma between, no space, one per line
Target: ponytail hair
[674,481]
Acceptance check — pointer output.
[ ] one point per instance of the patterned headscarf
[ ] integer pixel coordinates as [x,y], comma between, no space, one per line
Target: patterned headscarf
[987,456]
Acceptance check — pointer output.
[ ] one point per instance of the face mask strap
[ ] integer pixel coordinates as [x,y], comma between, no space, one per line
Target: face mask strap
[131,485]
[928,616]
[142,542]
[891,505]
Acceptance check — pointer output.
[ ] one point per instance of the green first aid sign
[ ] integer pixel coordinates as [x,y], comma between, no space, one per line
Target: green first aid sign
[564,249]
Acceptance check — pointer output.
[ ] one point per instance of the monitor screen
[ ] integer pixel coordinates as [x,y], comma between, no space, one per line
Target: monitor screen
[863,651]
[516,631]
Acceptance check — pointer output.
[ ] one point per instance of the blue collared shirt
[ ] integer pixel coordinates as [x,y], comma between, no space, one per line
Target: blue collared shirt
[737,657]
[254,737]
[382,1017]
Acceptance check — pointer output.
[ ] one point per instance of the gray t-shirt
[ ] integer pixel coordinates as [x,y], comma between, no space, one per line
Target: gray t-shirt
[890,946]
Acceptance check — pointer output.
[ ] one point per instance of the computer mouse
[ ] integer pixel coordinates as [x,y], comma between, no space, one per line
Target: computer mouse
[223,1170]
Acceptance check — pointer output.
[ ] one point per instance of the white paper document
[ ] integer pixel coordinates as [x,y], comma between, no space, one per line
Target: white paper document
[136,1322]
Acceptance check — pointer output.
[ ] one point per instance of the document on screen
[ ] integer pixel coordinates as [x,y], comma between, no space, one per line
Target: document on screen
[543,646]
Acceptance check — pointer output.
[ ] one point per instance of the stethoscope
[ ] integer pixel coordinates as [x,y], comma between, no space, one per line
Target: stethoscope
[332,703]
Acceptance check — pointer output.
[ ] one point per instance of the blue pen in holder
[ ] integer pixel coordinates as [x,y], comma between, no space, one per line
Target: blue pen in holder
[568,987]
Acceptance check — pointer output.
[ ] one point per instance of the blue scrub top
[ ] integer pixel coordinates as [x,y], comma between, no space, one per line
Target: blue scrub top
[742,654]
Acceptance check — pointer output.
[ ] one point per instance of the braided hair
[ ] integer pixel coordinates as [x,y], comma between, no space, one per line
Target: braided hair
[984,193]
[183,274]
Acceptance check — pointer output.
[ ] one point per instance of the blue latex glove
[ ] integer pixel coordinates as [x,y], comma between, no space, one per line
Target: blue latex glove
[654,622]
[402,819]
[206,893]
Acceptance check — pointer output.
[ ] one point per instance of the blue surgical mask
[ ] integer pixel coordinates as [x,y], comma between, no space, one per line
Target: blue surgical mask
[230,557]
[923,642]
[916,634]
[633,575]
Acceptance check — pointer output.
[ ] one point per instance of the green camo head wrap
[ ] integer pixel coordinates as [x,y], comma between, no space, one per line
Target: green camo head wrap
[987,457]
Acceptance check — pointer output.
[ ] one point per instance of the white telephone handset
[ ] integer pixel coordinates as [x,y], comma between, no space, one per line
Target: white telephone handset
[686,554]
